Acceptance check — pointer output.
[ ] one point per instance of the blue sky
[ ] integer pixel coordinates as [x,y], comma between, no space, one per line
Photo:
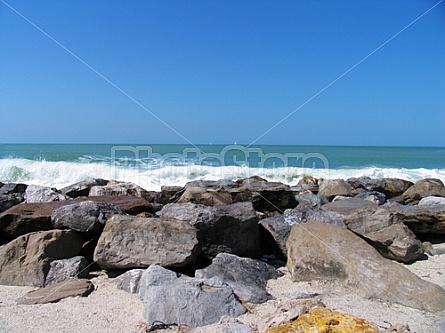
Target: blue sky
[223,71]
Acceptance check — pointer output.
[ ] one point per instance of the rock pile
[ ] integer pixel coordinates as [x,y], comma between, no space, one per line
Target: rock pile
[198,253]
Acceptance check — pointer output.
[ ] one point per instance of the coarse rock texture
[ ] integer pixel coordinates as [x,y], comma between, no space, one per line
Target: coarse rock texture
[422,220]
[276,229]
[247,277]
[170,297]
[225,325]
[329,188]
[64,269]
[380,228]
[422,189]
[137,242]
[58,291]
[326,320]
[230,229]
[26,260]
[82,188]
[214,184]
[346,257]
[87,217]
[36,193]
[129,281]
[391,187]
[11,194]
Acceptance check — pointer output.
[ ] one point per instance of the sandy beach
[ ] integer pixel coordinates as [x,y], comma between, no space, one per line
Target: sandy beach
[109,309]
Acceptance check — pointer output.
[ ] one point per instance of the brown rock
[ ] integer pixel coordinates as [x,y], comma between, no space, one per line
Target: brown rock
[320,251]
[422,189]
[58,291]
[206,196]
[26,260]
[330,188]
[137,242]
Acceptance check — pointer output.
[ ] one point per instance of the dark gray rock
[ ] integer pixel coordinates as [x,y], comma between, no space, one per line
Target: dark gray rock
[231,228]
[422,189]
[88,217]
[137,242]
[64,269]
[11,194]
[25,261]
[311,200]
[373,196]
[174,298]
[276,229]
[129,281]
[36,193]
[82,188]
[247,277]
[57,292]
[391,187]
[344,257]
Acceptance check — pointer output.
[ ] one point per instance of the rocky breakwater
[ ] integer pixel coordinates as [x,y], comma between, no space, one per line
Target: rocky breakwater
[198,253]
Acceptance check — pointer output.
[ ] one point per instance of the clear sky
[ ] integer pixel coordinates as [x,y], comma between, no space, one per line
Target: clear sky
[223,71]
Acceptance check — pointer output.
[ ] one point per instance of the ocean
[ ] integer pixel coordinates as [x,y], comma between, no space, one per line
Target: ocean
[152,166]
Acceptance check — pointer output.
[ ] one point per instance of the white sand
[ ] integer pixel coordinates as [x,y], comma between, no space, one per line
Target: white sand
[108,309]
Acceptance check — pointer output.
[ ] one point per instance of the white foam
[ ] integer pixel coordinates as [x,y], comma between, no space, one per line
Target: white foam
[60,174]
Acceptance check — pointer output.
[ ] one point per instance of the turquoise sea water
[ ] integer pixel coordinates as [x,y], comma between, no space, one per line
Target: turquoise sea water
[152,166]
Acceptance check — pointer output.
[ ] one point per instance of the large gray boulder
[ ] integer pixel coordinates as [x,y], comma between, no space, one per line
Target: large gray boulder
[36,193]
[380,228]
[26,260]
[310,200]
[231,228]
[432,200]
[138,242]
[82,188]
[64,269]
[247,277]
[88,217]
[174,298]
[320,251]
[391,187]
[11,194]
[422,189]
[276,229]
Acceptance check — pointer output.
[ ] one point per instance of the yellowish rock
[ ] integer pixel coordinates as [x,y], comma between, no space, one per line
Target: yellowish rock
[322,320]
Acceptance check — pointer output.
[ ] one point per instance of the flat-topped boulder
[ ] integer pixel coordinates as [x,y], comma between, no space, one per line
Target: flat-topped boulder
[137,242]
[26,260]
[320,251]
[230,228]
